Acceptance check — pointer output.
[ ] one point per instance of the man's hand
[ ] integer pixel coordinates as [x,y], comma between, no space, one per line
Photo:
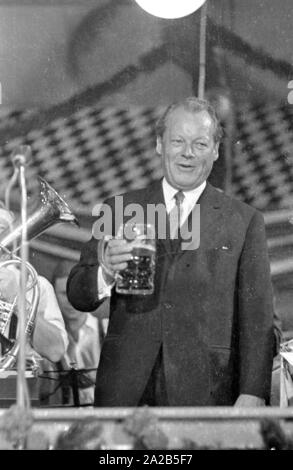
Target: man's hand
[244,401]
[116,256]
[8,285]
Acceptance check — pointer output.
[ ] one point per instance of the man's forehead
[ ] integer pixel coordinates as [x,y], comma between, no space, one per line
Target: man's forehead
[180,116]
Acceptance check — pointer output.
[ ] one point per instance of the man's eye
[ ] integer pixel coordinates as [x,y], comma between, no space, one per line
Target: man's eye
[177,141]
[201,144]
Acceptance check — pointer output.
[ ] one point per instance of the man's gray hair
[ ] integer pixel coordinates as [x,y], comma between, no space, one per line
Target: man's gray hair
[193,105]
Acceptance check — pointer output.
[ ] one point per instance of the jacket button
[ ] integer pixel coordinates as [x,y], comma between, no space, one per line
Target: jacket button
[168,305]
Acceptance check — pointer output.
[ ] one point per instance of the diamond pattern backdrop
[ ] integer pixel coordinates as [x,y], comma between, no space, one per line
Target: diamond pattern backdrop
[95,152]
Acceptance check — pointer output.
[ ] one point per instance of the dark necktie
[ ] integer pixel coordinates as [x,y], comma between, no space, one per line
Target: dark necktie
[175,215]
[175,218]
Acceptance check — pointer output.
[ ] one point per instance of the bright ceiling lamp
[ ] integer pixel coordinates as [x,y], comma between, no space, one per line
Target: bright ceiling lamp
[170,9]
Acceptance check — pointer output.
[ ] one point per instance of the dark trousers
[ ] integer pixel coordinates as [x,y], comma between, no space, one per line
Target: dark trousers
[155,393]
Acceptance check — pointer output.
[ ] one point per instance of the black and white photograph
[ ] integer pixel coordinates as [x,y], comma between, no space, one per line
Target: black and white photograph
[146,227]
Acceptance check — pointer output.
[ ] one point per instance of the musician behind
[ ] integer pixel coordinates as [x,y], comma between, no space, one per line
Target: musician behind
[49,338]
[85,334]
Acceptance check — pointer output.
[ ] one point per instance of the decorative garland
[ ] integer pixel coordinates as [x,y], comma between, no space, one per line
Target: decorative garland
[222,37]
[147,63]
[218,36]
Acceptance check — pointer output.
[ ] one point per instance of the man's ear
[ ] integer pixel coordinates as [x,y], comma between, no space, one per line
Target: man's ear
[159,146]
[216,151]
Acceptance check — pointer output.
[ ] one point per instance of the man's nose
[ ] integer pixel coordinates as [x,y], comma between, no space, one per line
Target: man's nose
[188,150]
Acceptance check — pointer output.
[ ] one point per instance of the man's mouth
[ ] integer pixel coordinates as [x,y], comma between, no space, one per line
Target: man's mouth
[185,166]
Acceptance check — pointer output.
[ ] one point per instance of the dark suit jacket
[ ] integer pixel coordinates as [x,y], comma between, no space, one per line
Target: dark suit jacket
[211,311]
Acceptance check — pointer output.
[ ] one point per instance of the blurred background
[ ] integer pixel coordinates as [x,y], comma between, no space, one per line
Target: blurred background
[83,82]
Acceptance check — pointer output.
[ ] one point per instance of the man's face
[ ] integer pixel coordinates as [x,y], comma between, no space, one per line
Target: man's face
[187,148]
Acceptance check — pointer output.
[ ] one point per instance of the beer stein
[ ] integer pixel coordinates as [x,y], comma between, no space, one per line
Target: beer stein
[138,277]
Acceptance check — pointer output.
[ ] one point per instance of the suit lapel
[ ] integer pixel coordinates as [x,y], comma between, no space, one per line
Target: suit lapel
[210,203]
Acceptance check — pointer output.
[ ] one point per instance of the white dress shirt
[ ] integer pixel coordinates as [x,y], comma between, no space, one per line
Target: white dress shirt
[190,198]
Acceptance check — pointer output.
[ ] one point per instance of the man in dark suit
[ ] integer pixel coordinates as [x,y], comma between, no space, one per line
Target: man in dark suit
[205,336]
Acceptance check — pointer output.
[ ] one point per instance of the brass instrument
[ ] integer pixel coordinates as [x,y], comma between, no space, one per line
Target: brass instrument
[48,210]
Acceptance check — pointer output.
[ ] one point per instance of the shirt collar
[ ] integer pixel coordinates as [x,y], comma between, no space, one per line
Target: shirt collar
[191,197]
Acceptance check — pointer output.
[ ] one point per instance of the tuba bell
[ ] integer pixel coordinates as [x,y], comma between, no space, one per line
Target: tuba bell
[48,209]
